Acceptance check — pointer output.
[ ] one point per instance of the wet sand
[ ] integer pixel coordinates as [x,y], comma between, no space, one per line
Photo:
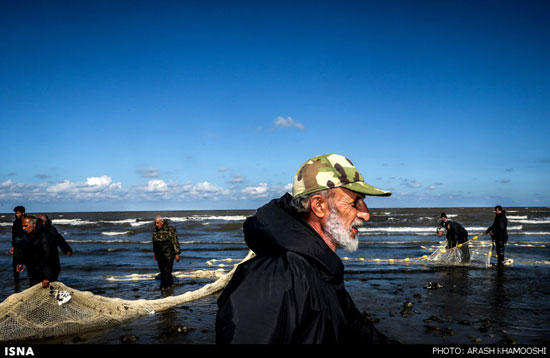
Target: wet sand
[464,306]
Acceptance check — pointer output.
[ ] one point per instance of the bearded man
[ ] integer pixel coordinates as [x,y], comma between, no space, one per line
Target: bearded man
[293,290]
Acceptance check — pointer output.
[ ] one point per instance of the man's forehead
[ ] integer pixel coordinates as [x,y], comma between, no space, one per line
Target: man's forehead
[352,195]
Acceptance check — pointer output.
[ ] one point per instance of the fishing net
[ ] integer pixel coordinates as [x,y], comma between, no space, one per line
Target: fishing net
[458,255]
[61,310]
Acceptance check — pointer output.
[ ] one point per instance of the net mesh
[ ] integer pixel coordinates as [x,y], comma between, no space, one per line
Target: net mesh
[458,255]
[38,312]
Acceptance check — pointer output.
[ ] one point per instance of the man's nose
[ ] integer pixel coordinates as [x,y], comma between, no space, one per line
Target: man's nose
[363,212]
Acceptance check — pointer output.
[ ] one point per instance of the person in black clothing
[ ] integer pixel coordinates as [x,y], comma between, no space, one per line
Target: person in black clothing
[16,237]
[293,290]
[456,235]
[499,233]
[58,242]
[36,253]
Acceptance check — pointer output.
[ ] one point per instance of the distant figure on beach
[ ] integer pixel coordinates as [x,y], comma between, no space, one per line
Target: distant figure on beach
[57,241]
[37,253]
[16,237]
[166,248]
[293,290]
[456,235]
[499,233]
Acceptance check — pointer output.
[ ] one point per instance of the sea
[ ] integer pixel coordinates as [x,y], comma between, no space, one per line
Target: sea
[391,277]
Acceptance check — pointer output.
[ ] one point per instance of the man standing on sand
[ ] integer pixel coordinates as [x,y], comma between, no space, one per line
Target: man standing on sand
[293,290]
[499,233]
[166,248]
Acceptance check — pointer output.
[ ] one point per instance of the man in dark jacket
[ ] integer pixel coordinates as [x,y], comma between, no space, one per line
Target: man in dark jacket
[36,253]
[456,235]
[499,232]
[58,241]
[166,248]
[16,237]
[293,290]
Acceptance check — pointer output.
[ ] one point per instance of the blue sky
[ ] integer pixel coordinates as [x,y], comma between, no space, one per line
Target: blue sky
[169,105]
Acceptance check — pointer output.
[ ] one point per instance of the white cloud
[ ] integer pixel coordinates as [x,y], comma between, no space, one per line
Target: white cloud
[60,187]
[99,181]
[156,185]
[207,189]
[93,188]
[8,183]
[288,123]
[259,190]
[104,188]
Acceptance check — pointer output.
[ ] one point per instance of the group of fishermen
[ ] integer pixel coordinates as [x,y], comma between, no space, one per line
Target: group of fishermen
[35,245]
[456,235]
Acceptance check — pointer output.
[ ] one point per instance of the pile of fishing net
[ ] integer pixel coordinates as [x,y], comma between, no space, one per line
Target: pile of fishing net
[61,310]
[458,255]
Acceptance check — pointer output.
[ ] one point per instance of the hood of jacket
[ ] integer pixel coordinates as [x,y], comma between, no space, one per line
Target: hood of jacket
[275,228]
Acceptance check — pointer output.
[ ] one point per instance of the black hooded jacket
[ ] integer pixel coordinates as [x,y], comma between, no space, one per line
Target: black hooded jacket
[499,228]
[55,240]
[37,252]
[292,291]
[456,234]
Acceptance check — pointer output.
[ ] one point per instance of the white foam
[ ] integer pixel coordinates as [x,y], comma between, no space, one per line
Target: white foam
[207,218]
[124,221]
[72,222]
[141,223]
[114,233]
[111,241]
[535,222]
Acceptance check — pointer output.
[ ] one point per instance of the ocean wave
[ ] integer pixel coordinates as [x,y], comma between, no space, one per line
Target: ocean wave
[104,241]
[472,230]
[114,233]
[141,223]
[72,222]
[535,221]
[207,218]
[137,222]
[132,222]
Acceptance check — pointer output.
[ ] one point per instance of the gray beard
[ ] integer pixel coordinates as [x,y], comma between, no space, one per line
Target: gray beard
[342,237]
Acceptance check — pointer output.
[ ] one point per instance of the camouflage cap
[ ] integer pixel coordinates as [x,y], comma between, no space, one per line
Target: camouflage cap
[331,171]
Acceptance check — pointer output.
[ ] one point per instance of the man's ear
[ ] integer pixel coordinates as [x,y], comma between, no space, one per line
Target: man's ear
[319,206]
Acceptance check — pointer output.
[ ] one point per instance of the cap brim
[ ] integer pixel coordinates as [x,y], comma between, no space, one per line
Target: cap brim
[367,189]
